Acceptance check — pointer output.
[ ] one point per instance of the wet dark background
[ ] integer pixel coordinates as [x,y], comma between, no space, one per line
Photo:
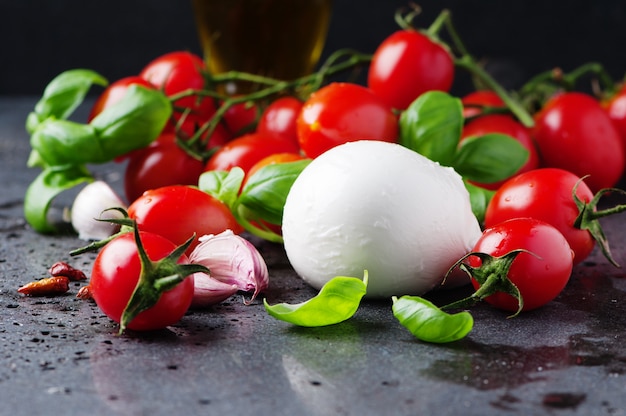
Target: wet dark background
[516,38]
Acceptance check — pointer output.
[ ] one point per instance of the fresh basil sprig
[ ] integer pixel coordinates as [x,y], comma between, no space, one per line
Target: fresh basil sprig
[63,95]
[62,148]
[260,200]
[432,126]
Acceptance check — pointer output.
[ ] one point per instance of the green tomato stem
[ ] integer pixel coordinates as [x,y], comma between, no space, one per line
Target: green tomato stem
[588,217]
[468,63]
[442,20]
[156,277]
[492,275]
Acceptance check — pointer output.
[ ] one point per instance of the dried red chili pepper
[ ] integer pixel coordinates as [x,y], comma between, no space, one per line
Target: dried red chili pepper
[84,293]
[61,268]
[55,285]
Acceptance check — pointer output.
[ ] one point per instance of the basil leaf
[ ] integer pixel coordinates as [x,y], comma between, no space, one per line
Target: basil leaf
[479,199]
[432,126]
[266,191]
[133,122]
[48,184]
[60,142]
[490,158]
[62,95]
[429,323]
[336,302]
[222,185]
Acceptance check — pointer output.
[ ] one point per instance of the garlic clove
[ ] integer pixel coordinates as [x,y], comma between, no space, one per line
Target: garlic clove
[88,205]
[233,260]
[208,291]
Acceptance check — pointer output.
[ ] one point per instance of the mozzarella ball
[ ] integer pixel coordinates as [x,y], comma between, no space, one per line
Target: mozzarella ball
[380,207]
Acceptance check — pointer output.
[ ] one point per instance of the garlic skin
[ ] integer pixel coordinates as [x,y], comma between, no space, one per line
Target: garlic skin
[232,260]
[88,205]
[208,291]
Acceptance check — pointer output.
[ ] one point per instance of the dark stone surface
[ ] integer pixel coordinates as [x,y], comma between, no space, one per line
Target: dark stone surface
[60,355]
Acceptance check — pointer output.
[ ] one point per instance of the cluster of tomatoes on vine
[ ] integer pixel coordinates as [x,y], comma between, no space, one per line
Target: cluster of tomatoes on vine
[576,143]
[569,130]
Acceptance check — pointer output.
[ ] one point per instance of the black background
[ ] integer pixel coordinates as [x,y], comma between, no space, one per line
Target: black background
[516,39]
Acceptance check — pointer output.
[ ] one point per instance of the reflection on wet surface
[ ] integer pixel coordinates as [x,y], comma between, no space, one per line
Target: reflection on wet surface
[498,366]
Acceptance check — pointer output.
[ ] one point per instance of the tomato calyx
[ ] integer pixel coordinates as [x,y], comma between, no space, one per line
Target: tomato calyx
[492,276]
[156,277]
[588,217]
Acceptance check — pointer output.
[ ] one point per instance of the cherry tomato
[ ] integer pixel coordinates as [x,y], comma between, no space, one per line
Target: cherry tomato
[407,64]
[544,194]
[189,127]
[114,93]
[180,71]
[616,109]
[539,276]
[473,102]
[116,271]
[160,164]
[241,118]
[499,123]
[177,212]
[574,133]
[280,118]
[248,149]
[343,112]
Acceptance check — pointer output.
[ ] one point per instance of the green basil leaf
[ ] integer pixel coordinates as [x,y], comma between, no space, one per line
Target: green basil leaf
[133,122]
[60,142]
[479,199]
[62,95]
[490,158]
[222,185]
[432,126]
[48,184]
[265,192]
[336,302]
[429,323]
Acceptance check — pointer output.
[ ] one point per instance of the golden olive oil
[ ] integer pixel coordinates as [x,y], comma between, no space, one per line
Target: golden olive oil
[280,39]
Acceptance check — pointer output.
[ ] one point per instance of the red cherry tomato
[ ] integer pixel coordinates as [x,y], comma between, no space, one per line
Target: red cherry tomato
[407,64]
[539,276]
[116,271]
[114,93]
[161,164]
[279,118]
[473,102]
[616,109]
[241,118]
[544,194]
[180,71]
[499,123]
[177,212]
[248,149]
[574,133]
[343,112]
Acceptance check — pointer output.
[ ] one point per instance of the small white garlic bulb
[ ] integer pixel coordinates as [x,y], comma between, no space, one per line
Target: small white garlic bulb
[89,205]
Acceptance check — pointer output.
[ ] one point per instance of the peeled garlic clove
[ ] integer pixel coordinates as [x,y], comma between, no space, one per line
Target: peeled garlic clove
[208,291]
[89,205]
[233,260]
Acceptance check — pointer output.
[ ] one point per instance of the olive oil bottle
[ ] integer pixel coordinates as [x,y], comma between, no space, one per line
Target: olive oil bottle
[281,39]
